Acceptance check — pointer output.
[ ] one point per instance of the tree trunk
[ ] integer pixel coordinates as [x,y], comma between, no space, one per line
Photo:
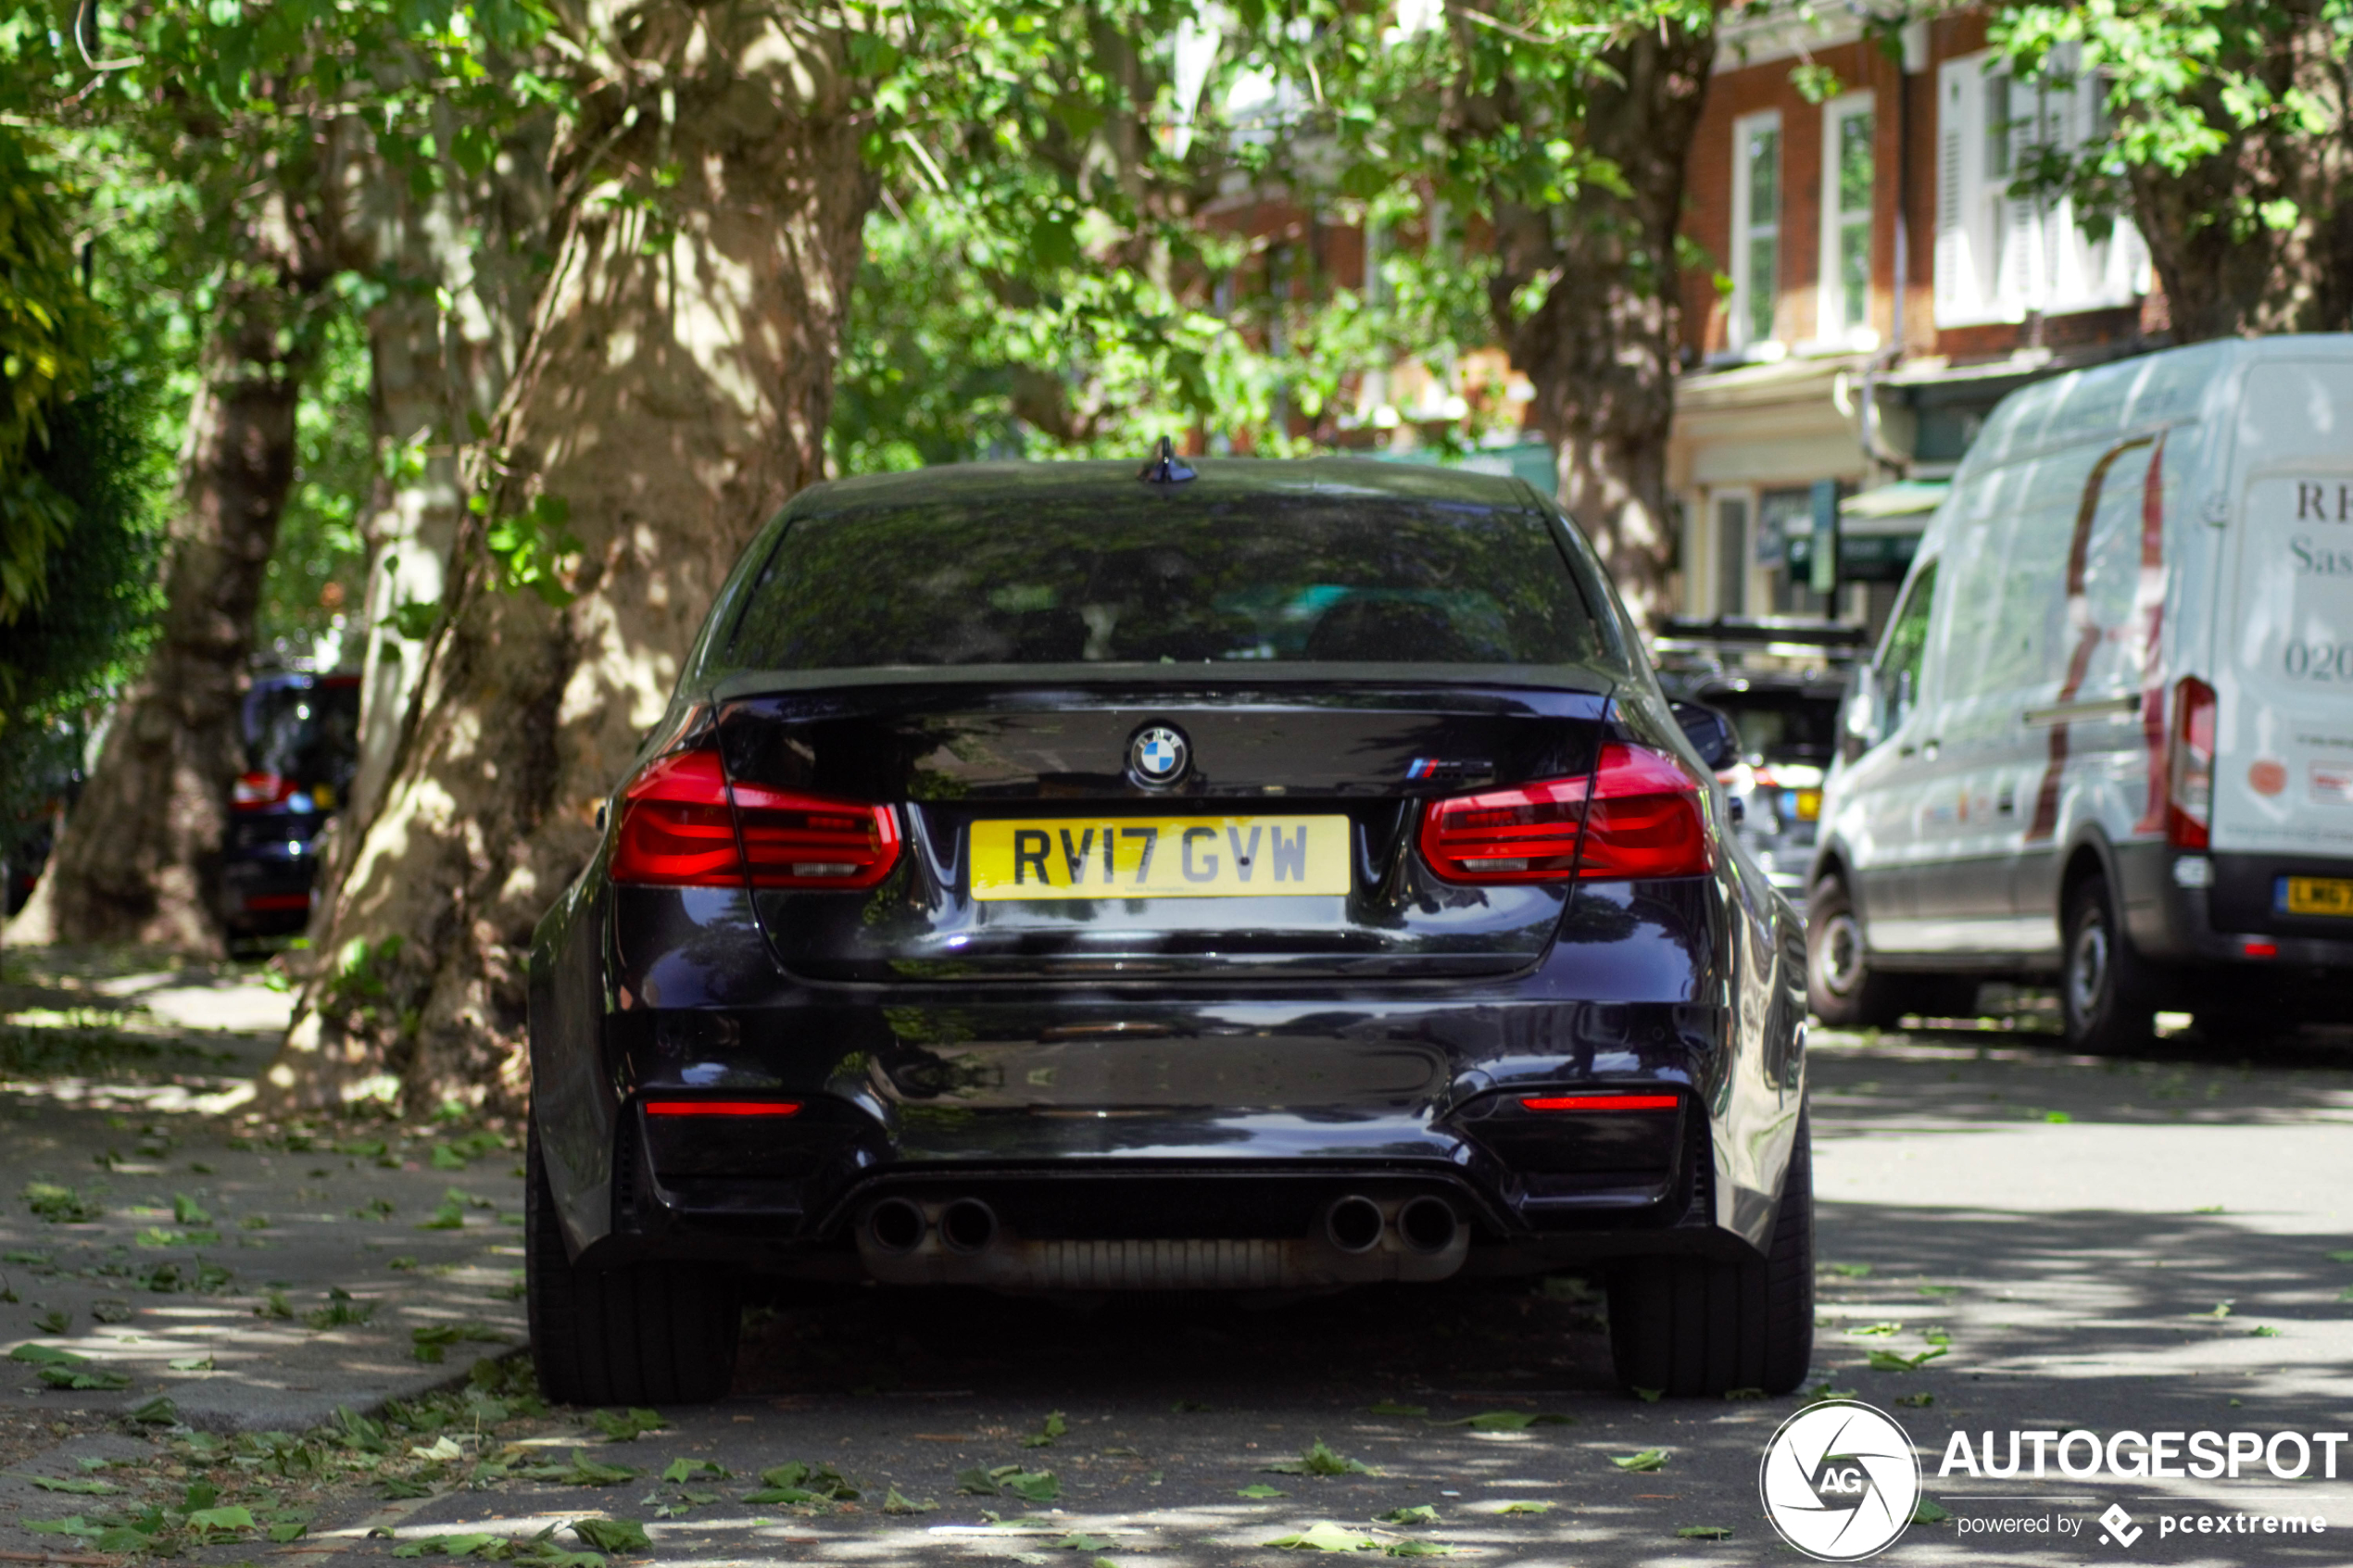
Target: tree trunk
[1600,349]
[432,370]
[140,857]
[2226,271]
[674,393]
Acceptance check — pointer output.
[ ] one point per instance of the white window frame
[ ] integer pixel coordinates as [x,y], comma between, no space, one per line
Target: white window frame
[1738,335]
[1833,330]
[1999,257]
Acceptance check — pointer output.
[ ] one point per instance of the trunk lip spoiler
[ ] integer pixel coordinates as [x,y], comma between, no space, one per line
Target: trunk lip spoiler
[1567,680]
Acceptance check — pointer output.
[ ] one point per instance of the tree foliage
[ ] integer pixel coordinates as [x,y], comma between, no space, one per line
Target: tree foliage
[2227,139]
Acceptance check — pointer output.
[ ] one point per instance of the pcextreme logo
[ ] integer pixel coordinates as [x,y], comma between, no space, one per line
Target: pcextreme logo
[1840,1481]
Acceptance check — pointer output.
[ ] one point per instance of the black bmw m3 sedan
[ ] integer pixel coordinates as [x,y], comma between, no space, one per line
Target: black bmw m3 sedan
[1265,877]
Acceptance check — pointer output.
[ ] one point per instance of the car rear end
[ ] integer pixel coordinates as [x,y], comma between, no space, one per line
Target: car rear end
[1051,880]
[2257,747]
[301,742]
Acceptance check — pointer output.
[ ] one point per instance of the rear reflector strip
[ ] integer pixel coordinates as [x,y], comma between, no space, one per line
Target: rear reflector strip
[721,1107]
[1603,1102]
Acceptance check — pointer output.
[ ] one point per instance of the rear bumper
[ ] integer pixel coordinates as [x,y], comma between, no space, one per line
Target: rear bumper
[2217,909]
[1241,1124]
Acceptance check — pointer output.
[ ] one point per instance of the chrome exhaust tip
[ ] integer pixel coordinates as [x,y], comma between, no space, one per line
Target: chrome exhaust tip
[967,1226]
[1353,1223]
[1428,1224]
[896,1226]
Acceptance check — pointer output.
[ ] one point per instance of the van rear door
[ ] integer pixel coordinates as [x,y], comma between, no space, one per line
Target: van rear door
[2283,678]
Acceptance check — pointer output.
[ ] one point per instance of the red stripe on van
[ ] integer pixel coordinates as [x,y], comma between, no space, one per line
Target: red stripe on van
[2088,636]
[2149,602]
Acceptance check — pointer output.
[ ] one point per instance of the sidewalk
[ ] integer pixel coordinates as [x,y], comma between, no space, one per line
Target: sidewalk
[257,1282]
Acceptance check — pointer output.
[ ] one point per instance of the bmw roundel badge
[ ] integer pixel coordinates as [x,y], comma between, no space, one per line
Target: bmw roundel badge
[1159,755]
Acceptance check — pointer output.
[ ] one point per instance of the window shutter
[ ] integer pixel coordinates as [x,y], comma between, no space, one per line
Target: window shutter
[1957,248]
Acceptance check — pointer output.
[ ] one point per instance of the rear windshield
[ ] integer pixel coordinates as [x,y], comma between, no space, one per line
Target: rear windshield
[1781,726]
[1288,578]
[306,732]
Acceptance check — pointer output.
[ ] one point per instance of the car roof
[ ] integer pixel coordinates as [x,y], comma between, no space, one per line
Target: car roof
[1218,480]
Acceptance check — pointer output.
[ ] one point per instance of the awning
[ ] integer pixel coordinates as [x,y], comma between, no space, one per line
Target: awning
[1900,508]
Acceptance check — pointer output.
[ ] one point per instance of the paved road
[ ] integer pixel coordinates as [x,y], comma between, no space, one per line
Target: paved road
[2066,1231]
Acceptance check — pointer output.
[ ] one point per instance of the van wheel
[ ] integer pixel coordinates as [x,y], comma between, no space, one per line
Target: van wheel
[646,1333]
[1841,988]
[2103,993]
[1693,1326]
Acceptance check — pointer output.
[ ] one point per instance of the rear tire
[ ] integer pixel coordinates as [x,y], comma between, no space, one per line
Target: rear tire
[644,1334]
[1841,986]
[1696,1327]
[2105,1000]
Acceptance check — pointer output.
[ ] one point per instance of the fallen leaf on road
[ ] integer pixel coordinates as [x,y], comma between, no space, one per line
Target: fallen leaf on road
[1927,1512]
[1258,1490]
[1642,1462]
[620,1426]
[1526,1508]
[1918,1401]
[898,1503]
[1319,1460]
[1418,1513]
[1704,1532]
[1078,1540]
[612,1534]
[1323,1537]
[680,1470]
[1508,1421]
[1418,1549]
[1890,1360]
[1055,1426]
[1650,1396]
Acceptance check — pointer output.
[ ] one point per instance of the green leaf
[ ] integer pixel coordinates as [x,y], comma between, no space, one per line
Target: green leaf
[186,1210]
[233,1517]
[1892,1361]
[1650,1396]
[1055,1426]
[1527,1507]
[1846,1271]
[288,1532]
[1319,1460]
[894,1501]
[1391,1407]
[1642,1462]
[582,1472]
[1508,1421]
[1259,1489]
[1919,1402]
[680,1470]
[612,1534]
[83,1488]
[1926,1511]
[1418,1549]
[1704,1532]
[1323,1537]
[622,1426]
[1078,1540]
[1418,1513]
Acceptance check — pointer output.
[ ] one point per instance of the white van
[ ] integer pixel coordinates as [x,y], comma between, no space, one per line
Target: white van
[2109,735]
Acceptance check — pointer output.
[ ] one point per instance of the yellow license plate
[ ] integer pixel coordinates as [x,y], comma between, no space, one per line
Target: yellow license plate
[1159,858]
[2319,895]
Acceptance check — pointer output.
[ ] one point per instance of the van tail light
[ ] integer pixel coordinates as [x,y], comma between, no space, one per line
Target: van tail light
[1639,815]
[677,831]
[2189,776]
[259,791]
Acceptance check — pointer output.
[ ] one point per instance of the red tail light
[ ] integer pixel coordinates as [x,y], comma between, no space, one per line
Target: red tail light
[2189,779]
[721,1107]
[677,831]
[1642,818]
[1603,1102]
[259,791]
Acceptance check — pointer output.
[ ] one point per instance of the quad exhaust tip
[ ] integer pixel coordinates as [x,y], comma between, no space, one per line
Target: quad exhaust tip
[1427,1223]
[967,1226]
[896,1225]
[1353,1223]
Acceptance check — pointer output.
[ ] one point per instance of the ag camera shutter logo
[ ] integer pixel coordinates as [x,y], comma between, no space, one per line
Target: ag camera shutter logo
[1839,1480]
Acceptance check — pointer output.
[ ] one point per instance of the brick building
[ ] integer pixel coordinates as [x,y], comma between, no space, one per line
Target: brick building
[1885,290]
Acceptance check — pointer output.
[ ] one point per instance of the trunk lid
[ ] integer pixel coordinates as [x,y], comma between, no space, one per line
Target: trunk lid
[970,762]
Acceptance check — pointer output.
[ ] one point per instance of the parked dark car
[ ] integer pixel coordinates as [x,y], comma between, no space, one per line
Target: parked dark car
[1050,878]
[302,745]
